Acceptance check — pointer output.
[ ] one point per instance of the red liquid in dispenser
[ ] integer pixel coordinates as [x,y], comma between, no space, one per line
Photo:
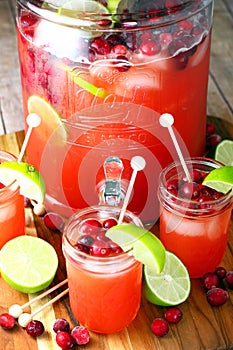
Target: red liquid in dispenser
[109,83]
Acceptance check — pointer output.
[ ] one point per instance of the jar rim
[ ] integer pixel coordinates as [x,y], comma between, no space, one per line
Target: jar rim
[190,207]
[140,14]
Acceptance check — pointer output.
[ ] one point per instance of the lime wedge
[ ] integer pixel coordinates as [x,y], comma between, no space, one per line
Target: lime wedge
[112,5]
[28,264]
[224,152]
[170,287]
[220,179]
[30,180]
[51,123]
[84,6]
[146,247]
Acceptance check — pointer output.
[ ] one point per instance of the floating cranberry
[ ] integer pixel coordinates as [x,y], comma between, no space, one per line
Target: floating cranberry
[35,328]
[173,185]
[150,48]
[108,223]
[115,249]
[213,140]
[7,321]
[119,49]
[65,340]
[185,25]
[100,248]
[61,325]
[115,40]
[53,221]
[80,335]
[90,227]
[220,271]
[173,315]
[122,63]
[101,46]
[160,327]
[210,280]
[165,39]
[229,279]
[190,190]
[216,296]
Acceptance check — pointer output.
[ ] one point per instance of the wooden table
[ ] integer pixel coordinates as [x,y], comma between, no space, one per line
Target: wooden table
[202,327]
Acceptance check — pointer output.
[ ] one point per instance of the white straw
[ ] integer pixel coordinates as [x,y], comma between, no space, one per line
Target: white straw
[166,120]
[137,163]
[33,120]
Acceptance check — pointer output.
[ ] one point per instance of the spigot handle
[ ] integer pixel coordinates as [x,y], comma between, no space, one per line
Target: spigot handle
[113,168]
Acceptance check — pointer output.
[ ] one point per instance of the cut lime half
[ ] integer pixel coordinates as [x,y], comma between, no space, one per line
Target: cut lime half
[28,177]
[170,287]
[28,264]
[146,247]
[224,152]
[220,179]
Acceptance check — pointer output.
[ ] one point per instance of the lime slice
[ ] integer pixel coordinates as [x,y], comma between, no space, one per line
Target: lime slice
[94,90]
[170,287]
[146,247]
[224,152]
[30,180]
[91,6]
[220,179]
[51,123]
[28,264]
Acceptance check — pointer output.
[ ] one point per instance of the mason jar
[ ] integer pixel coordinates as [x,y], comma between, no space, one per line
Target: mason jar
[12,216]
[104,291]
[196,230]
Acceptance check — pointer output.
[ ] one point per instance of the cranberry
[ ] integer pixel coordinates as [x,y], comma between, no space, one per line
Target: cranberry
[115,40]
[210,280]
[53,221]
[100,248]
[185,25]
[65,340]
[220,271]
[116,249]
[1,185]
[101,46]
[108,223]
[131,41]
[165,39]
[90,227]
[190,190]
[104,22]
[160,327]
[61,325]
[173,185]
[173,315]
[35,328]
[214,140]
[7,321]
[216,296]
[119,49]
[150,48]
[80,335]
[229,279]
[122,63]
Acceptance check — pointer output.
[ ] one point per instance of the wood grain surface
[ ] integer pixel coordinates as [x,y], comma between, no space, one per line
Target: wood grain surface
[203,327]
[220,96]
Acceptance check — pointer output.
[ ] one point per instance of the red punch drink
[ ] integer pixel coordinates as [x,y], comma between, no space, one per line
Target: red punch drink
[100,77]
[194,219]
[104,283]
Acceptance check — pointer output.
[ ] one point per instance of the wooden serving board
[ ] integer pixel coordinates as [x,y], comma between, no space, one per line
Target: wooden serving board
[202,327]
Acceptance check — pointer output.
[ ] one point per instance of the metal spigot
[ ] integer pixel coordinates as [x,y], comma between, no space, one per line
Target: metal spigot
[112,191]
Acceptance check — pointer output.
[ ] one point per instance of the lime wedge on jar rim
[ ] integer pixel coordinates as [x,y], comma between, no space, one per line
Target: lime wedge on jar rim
[51,127]
[224,152]
[30,181]
[169,288]
[28,264]
[145,246]
[220,179]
